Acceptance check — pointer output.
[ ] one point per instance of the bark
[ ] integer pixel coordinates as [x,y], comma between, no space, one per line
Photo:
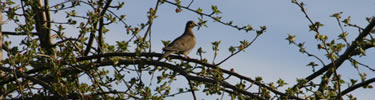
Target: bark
[43,26]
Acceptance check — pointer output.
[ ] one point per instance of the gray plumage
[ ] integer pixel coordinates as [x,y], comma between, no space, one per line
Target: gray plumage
[183,44]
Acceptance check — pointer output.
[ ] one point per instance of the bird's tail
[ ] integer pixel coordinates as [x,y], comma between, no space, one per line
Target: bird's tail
[166,54]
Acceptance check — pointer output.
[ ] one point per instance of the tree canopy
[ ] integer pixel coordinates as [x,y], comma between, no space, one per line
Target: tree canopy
[70,58]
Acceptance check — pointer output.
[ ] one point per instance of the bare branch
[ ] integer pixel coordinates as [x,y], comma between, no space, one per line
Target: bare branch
[18,34]
[192,89]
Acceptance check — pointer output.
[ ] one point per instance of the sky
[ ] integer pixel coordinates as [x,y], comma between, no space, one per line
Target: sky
[270,56]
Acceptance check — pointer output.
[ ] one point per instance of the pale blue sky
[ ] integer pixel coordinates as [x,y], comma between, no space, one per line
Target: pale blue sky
[270,56]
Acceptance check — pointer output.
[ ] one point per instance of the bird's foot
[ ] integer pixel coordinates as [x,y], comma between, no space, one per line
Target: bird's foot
[187,57]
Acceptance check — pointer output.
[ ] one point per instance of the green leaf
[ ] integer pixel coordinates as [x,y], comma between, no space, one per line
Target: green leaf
[353,81]
[347,20]
[262,30]
[343,35]
[215,45]
[165,43]
[291,38]
[244,43]
[312,64]
[281,82]
[199,10]
[200,51]
[258,79]
[249,28]
[232,49]
[363,76]
[215,9]
[115,60]
[337,15]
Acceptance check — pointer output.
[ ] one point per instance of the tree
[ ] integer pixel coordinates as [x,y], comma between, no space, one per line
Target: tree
[40,68]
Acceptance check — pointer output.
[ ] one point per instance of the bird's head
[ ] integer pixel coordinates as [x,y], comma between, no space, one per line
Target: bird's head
[190,24]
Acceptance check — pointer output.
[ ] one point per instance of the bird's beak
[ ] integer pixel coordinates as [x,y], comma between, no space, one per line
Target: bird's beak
[195,24]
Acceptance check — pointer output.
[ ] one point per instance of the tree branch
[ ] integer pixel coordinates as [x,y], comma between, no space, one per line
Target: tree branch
[150,21]
[182,72]
[192,89]
[42,26]
[95,25]
[237,51]
[32,78]
[210,16]
[1,35]
[72,70]
[65,40]
[75,96]
[190,60]
[352,88]
[348,52]
[101,26]
[18,34]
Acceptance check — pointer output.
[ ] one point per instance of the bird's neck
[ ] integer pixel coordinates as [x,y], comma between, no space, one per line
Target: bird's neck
[189,31]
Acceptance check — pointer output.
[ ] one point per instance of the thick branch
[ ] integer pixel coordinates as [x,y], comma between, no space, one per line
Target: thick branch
[1,35]
[74,70]
[189,60]
[101,26]
[76,96]
[156,63]
[42,26]
[95,25]
[38,68]
[182,72]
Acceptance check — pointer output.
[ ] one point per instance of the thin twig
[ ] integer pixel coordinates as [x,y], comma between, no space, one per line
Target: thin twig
[210,16]
[192,89]
[190,3]
[367,66]
[150,21]
[237,51]
[310,54]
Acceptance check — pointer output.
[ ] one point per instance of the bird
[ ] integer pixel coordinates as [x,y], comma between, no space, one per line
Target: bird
[183,44]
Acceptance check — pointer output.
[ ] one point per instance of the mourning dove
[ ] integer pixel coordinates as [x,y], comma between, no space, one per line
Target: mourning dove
[183,44]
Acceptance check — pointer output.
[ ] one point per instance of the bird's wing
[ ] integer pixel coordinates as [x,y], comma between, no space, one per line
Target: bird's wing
[182,43]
